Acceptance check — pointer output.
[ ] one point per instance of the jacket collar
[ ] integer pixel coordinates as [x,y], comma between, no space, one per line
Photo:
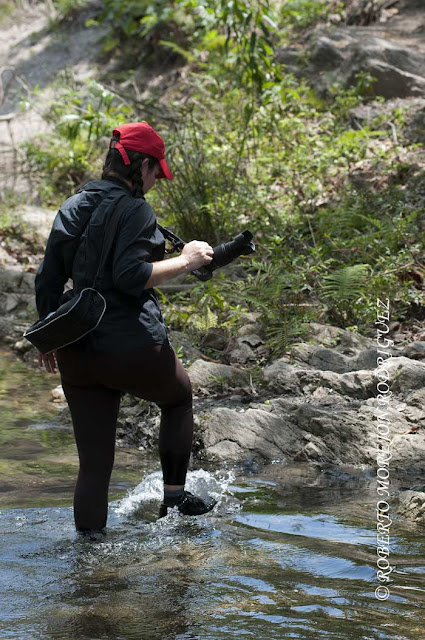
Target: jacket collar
[119,182]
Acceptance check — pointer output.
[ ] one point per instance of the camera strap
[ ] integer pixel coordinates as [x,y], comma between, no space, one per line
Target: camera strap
[177,242]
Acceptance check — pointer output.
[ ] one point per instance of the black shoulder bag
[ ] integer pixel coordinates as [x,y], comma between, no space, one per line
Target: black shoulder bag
[82,313]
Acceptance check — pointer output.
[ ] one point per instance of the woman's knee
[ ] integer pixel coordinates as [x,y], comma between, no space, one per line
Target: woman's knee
[97,472]
[178,395]
[186,388]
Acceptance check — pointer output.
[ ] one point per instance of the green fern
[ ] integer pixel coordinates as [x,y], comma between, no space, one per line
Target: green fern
[347,283]
[277,294]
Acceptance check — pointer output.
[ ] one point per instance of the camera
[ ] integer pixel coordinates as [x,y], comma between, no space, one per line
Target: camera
[224,253]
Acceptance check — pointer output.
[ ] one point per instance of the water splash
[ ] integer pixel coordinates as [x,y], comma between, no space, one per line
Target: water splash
[200,482]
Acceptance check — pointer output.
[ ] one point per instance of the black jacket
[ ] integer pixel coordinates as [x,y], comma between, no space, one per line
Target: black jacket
[132,317]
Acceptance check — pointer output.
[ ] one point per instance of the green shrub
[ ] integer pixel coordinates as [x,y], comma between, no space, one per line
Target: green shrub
[82,120]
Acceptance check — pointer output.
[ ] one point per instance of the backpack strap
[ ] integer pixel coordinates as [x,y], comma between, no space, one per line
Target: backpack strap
[109,234]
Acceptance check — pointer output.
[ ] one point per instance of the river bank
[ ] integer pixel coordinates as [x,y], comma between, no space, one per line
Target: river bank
[317,405]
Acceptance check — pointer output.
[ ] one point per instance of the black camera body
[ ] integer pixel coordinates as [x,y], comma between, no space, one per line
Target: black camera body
[224,253]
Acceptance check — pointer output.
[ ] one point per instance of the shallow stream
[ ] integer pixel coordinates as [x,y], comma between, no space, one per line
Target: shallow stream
[289,552]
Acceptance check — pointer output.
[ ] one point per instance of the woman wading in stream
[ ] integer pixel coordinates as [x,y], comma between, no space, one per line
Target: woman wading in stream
[129,351]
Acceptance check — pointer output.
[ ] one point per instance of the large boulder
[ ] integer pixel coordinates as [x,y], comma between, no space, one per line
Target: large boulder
[337,433]
[282,377]
[337,54]
[228,434]
[345,341]
[404,375]
[301,412]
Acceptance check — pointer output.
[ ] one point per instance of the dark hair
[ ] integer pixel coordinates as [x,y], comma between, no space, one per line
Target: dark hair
[114,164]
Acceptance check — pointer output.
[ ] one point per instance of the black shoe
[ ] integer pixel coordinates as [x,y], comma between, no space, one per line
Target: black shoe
[95,535]
[190,505]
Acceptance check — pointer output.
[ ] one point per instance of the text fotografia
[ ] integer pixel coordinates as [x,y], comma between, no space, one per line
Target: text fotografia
[383,452]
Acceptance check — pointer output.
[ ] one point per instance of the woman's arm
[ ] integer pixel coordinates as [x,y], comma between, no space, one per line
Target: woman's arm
[166,269]
[131,273]
[194,255]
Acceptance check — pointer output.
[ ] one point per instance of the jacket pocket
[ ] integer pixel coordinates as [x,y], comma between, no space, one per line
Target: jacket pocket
[151,319]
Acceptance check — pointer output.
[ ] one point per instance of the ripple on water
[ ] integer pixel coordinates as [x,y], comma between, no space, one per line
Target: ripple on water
[320,526]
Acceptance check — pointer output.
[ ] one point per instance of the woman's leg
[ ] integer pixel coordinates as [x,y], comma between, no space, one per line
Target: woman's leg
[94,411]
[93,383]
[176,430]
[156,374]
[94,414]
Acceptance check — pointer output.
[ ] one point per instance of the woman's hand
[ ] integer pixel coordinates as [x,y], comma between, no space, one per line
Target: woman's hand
[49,360]
[197,254]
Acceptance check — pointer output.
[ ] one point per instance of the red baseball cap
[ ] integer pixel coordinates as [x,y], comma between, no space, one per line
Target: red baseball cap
[139,136]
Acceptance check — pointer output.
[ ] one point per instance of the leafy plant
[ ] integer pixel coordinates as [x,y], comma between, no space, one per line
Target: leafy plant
[346,284]
[81,117]
[64,8]
[344,292]
[279,297]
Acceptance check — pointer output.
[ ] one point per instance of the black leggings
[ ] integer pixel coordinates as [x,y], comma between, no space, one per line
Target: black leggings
[93,383]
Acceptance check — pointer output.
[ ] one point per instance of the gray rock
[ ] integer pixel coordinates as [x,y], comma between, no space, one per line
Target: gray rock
[302,352]
[337,54]
[415,350]
[246,329]
[292,57]
[310,432]
[392,81]
[228,434]
[416,398]
[312,451]
[253,340]
[348,342]
[329,360]
[19,303]
[8,302]
[411,505]
[351,341]
[202,374]
[284,378]
[404,375]
[215,338]
[326,396]
[344,434]
[13,279]
[246,346]
[241,355]
[325,335]
[22,346]
[356,384]
[366,359]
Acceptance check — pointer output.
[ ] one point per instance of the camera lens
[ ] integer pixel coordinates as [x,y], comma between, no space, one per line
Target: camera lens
[229,251]
[226,253]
